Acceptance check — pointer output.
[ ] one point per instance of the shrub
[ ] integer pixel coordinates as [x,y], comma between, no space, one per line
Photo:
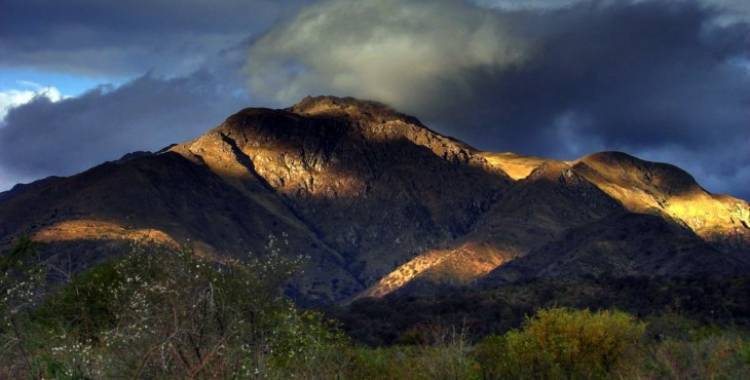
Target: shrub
[411,362]
[673,326]
[21,282]
[162,314]
[561,344]
[721,356]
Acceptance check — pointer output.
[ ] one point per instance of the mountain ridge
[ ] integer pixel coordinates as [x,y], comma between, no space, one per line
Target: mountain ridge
[378,201]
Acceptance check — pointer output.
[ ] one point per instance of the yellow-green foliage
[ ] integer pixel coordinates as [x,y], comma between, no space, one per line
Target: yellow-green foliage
[561,344]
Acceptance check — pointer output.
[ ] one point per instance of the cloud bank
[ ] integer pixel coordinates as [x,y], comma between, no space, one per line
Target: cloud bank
[664,80]
[126,38]
[43,138]
[182,59]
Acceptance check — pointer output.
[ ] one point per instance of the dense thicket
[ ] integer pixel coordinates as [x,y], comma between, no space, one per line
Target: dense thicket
[160,314]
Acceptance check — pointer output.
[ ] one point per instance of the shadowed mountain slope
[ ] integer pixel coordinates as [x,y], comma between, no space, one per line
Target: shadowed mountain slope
[177,202]
[625,244]
[381,203]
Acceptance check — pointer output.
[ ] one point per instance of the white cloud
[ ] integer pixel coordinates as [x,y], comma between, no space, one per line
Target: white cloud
[13,98]
[386,50]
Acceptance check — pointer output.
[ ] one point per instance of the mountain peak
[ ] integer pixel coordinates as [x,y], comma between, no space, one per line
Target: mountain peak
[327,105]
[623,169]
[322,128]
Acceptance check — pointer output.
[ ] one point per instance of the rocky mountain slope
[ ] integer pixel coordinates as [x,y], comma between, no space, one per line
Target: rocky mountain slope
[379,203]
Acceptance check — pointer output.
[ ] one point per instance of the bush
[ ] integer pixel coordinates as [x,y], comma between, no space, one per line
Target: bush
[723,356]
[448,361]
[561,344]
[673,326]
[162,314]
[21,283]
[157,313]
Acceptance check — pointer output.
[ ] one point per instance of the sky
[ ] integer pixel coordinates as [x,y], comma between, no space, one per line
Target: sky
[85,81]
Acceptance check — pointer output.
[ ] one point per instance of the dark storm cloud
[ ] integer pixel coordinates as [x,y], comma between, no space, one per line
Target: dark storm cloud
[667,80]
[192,51]
[128,37]
[640,75]
[43,138]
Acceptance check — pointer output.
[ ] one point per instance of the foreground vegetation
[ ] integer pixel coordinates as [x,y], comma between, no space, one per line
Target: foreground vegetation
[163,315]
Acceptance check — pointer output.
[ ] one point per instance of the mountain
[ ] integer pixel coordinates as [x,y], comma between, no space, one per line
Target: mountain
[379,203]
